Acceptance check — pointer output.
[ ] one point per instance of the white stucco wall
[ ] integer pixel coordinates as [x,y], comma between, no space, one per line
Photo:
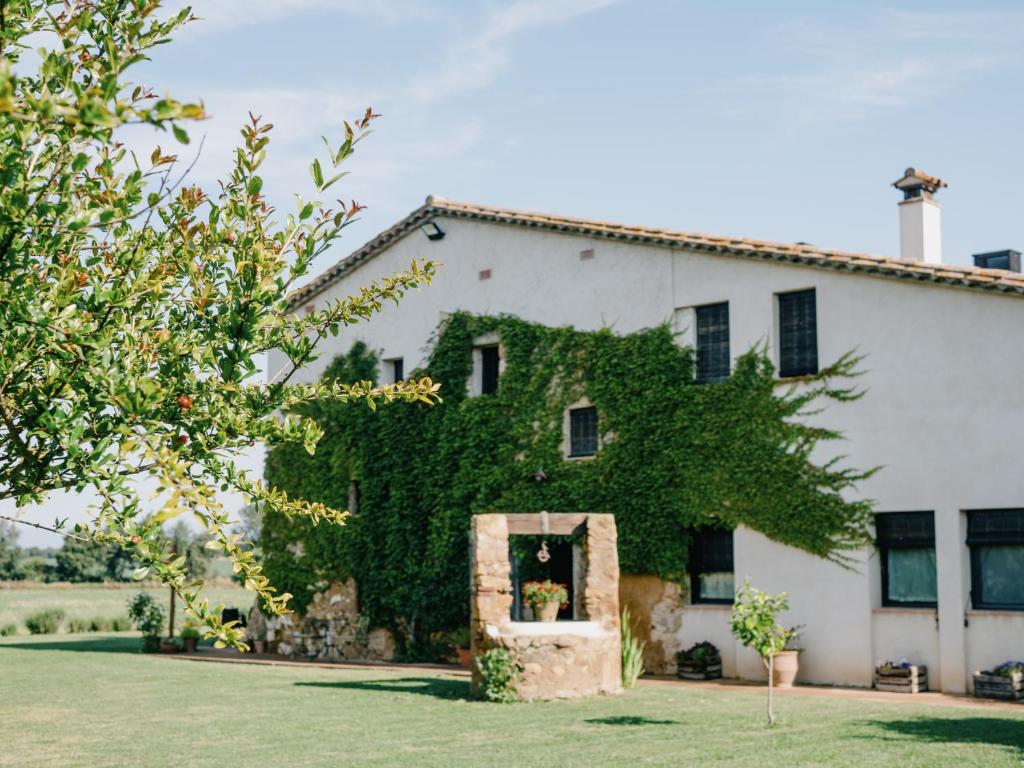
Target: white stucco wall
[943,413]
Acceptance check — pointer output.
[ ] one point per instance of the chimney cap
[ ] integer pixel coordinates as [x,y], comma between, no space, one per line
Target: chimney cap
[914,179]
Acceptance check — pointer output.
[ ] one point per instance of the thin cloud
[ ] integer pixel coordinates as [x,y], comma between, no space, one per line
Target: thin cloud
[474,62]
[219,16]
[892,60]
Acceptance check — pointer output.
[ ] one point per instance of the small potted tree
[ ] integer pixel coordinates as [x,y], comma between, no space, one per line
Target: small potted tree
[189,636]
[148,618]
[460,641]
[545,597]
[754,625]
[701,662]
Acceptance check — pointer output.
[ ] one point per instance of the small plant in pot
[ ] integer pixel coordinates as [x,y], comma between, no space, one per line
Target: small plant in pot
[701,662]
[189,636]
[148,618]
[460,640]
[1003,682]
[545,597]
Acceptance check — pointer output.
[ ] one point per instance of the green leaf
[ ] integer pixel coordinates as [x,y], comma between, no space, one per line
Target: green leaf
[180,134]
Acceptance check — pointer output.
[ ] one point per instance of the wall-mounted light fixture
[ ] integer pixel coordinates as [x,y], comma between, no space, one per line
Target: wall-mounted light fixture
[432,231]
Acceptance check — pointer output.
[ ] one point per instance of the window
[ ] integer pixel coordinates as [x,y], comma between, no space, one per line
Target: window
[906,546]
[582,432]
[996,539]
[490,363]
[713,343]
[711,569]
[798,334]
[397,369]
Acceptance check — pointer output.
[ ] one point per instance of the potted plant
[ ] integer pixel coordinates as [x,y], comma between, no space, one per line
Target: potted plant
[754,625]
[460,640]
[901,677]
[148,618]
[1003,682]
[545,597]
[701,662]
[189,636]
[256,629]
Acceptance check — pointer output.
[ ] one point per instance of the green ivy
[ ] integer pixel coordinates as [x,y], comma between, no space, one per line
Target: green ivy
[675,456]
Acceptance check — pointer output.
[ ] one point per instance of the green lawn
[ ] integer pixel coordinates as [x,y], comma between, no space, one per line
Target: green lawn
[86,601]
[94,701]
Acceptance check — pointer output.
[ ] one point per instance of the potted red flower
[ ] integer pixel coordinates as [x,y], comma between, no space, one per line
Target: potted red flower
[545,597]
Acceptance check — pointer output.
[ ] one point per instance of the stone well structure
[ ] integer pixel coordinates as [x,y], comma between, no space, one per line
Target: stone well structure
[562,659]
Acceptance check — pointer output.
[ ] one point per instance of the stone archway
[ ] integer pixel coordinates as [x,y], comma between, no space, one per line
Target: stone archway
[562,659]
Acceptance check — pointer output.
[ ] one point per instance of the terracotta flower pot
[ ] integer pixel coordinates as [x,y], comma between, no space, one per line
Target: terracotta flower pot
[259,646]
[190,643]
[786,665]
[546,612]
[465,658]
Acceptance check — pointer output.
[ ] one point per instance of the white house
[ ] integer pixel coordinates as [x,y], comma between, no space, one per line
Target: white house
[943,413]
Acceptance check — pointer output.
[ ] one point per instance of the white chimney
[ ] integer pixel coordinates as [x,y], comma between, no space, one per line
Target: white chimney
[920,217]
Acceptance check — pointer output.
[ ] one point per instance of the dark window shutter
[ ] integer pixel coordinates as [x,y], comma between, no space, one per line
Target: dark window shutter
[582,431]
[490,360]
[905,529]
[798,334]
[713,343]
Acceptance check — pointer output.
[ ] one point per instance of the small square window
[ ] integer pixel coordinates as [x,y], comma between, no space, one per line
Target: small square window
[996,539]
[582,432]
[711,567]
[798,334]
[490,367]
[906,546]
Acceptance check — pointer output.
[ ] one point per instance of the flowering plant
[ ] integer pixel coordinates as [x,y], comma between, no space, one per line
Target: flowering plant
[538,593]
[1009,668]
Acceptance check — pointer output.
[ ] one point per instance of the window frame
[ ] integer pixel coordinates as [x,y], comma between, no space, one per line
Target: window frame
[905,542]
[703,376]
[782,300]
[397,365]
[697,566]
[569,452]
[977,540]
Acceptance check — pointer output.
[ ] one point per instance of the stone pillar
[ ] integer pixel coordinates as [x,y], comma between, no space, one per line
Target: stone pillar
[491,600]
[601,593]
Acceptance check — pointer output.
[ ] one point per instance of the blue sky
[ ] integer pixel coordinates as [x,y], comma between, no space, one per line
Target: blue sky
[783,120]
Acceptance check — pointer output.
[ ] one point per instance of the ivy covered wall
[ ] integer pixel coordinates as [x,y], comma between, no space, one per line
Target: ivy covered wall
[675,455]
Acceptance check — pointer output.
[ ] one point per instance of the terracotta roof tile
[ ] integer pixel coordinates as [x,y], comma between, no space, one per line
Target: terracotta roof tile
[992,280]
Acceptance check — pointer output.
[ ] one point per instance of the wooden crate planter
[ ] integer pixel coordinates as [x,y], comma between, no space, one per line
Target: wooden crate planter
[710,669]
[990,686]
[912,679]
[703,665]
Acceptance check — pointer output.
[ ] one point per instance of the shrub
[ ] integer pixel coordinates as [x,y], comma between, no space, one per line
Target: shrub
[99,624]
[189,630]
[700,652]
[499,672]
[8,629]
[460,637]
[45,622]
[632,653]
[76,626]
[120,624]
[147,615]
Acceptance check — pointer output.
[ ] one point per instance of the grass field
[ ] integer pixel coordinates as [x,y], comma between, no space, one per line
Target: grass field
[86,601]
[95,701]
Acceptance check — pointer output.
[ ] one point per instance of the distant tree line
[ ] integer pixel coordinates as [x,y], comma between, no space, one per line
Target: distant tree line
[86,561]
